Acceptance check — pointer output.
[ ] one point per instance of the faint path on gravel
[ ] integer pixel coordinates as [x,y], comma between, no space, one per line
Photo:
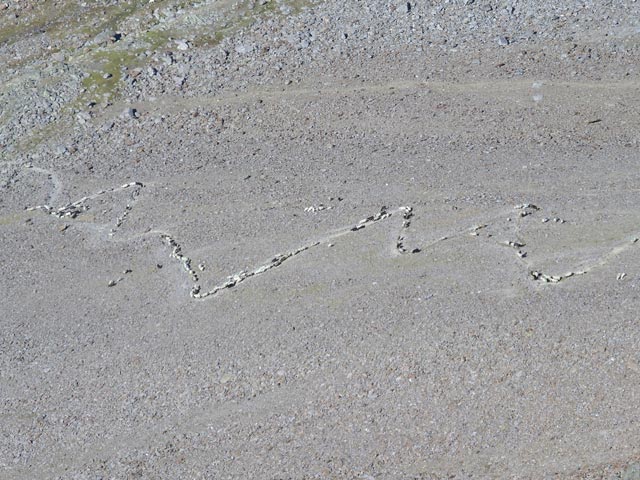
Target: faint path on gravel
[496,87]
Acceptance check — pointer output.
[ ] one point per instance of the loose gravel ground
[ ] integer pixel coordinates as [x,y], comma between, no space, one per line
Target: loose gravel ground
[254,128]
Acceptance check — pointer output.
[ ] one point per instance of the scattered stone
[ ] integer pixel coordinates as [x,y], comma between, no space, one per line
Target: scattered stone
[509,243]
[83,117]
[130,113]
[60,150]
[317,208]
[503,41]
[621,276]
[242,49]
[182,44]
[545,278]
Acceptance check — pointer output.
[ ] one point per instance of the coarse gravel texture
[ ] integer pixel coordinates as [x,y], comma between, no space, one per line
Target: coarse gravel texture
[260,133]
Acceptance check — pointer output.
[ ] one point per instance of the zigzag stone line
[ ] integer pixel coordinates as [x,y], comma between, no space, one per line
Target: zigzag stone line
[276,261]
[73,209]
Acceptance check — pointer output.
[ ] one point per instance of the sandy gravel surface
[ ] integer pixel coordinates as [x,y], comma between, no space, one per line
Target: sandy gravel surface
[288,240]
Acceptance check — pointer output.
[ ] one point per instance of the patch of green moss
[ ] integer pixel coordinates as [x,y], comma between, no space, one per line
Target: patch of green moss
[268,7]
[106,17]
[208,40]
[13,218]
[43,18]
[69,19]
[108,62]
[11,32]
[157,38]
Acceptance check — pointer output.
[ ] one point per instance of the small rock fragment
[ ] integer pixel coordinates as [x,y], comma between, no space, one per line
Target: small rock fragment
[509,243]
[527,205]
[182,45]
[130,113]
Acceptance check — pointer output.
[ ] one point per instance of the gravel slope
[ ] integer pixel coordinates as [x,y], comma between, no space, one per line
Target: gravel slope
[491,331]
